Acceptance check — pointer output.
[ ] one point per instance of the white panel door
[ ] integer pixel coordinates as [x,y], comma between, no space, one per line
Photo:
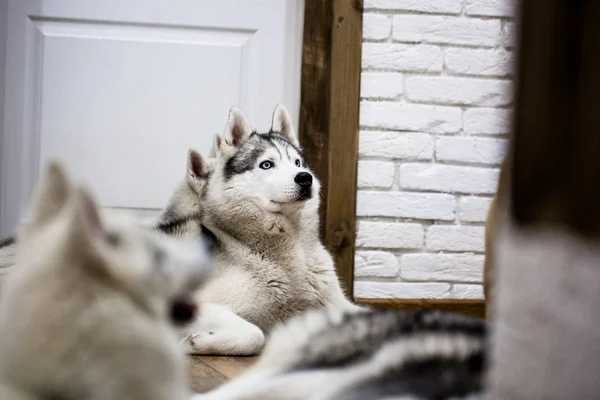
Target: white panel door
[119,89]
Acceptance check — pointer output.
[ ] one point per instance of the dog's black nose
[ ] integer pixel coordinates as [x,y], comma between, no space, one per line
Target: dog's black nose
[183,311]
[303,179]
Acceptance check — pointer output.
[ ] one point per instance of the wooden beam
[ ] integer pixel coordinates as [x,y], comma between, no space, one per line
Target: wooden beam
[556,137]
[475,308]
[328,129]
[313,127]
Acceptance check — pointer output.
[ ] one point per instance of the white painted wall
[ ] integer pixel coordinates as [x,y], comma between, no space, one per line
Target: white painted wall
[3,27]
[435,109]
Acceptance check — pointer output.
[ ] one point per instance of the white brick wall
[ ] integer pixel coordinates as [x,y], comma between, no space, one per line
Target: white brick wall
[436,98]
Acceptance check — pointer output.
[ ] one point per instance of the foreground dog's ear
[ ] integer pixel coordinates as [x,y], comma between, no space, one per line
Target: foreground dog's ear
[50,195]
[237,130]
[85,225]
[197,170]
[86,212]
[216,145]
[282,123]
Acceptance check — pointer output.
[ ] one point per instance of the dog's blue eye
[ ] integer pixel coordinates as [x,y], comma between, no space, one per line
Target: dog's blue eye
[297,163]
[266,165]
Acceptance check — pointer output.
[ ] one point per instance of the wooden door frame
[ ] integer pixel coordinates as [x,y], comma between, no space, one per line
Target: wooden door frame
[328,132]
[328,123]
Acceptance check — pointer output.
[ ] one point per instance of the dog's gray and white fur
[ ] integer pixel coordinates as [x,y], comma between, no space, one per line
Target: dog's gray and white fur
[370,354]
[88,312]
[259,200]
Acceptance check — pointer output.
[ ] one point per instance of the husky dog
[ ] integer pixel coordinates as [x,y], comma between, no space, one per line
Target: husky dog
[259,201]
[370,354]
[92,308]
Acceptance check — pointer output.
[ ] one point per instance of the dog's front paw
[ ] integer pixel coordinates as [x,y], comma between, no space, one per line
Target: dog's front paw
[186,344]
[198,343]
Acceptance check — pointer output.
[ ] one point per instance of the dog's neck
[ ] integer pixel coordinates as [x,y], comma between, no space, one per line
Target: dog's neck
[253,226]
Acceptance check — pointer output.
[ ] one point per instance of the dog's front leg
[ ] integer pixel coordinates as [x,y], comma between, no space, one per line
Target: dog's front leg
[219,331]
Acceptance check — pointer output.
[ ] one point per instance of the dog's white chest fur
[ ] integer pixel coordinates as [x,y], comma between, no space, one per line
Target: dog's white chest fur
[272,270]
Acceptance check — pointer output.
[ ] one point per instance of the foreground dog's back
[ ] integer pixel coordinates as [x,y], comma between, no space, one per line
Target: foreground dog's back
[371,355]
[88,312]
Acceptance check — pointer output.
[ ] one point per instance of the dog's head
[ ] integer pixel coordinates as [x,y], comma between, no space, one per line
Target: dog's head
[68,232]
[268,168]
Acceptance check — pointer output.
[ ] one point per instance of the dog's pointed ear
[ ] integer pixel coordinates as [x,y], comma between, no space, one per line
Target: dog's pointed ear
[216,145]
[237,129]
[50,196]
[85,225]
[197,170]
[282,123]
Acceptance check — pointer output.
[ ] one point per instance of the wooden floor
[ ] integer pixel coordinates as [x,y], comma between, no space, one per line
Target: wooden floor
[209,372]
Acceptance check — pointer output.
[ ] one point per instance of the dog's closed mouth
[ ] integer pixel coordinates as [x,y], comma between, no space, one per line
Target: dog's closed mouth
[280,203]
[304,197]
[295,201]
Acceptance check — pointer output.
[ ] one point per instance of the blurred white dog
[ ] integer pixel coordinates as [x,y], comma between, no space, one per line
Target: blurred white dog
[90,312]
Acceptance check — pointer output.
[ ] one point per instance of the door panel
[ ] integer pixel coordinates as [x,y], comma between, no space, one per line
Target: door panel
[119,90]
